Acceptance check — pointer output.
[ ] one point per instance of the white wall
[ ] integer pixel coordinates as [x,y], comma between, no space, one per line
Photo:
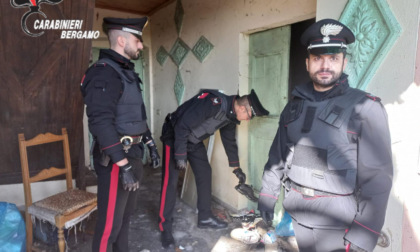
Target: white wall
[226,25]
[393,83]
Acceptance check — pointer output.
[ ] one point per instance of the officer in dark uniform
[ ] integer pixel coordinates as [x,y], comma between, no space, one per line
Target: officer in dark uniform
[332,153]
[117,121]
[182,136]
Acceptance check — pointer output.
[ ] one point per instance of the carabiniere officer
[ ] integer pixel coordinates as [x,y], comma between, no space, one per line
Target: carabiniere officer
[117,121]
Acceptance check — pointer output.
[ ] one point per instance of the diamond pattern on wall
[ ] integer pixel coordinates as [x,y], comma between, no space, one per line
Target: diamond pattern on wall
[179,87]
[202,48]
[179,16]
[162,55]
[179,51]
[376,30]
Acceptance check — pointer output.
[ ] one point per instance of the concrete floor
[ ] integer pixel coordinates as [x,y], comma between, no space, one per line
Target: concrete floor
[144,234]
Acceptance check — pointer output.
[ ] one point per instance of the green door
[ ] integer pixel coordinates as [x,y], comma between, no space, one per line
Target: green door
[269,76]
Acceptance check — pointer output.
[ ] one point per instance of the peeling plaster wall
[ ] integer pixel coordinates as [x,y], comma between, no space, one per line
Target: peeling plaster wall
[394,83]
[226,25]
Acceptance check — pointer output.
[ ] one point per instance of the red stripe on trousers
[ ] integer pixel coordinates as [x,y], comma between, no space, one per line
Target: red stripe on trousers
[112,198]
[165,186]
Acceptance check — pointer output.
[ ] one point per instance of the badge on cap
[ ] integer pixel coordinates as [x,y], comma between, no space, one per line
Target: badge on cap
[330,29]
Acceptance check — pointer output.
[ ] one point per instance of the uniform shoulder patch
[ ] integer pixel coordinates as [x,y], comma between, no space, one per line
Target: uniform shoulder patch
[203,95]
[372,97]
[216,100]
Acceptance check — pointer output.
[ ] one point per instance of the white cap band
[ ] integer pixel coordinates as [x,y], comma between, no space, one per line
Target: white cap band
[132,31]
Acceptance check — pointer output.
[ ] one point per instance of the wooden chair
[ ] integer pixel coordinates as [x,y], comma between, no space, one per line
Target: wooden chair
[62,210]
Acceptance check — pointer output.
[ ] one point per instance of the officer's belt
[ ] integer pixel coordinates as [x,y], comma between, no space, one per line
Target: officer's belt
[311,192]
[131,139]
[127,141]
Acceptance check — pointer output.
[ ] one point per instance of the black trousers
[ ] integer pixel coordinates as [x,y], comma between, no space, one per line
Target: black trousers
[115,205]
[197,157]
[319,240]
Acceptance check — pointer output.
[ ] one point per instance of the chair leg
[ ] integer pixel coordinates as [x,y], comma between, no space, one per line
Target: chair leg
[61,243]
[29,238]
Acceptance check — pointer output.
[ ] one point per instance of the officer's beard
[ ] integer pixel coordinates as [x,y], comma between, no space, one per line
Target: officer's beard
[325,83]
[133,54]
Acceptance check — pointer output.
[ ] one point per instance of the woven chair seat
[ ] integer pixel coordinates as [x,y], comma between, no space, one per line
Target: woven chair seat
[62,204]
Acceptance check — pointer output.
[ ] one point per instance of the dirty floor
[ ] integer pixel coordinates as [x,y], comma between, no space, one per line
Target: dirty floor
[145,236]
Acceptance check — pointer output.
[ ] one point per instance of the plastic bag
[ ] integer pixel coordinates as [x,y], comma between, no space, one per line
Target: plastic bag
[285,227]
[12,229]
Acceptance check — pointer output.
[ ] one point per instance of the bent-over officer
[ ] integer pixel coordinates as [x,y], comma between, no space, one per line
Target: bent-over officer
[117,121]
[332,153]
[182,135]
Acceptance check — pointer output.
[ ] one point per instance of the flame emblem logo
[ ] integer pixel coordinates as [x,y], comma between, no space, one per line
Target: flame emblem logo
[34,7]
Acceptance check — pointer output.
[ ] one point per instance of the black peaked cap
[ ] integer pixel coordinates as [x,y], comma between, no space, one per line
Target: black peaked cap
[327,36]
[131,25]
[257,108]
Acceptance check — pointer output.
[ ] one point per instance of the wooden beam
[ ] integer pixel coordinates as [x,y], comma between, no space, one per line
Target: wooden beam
[106,7]
[153,11]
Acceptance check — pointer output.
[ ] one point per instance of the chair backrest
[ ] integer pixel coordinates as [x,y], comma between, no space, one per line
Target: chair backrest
[47,172]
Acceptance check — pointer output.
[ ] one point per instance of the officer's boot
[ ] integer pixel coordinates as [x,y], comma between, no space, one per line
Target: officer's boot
[167,239]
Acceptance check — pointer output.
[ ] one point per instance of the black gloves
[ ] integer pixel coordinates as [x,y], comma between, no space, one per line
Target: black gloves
[246,190]
[266,206]
[240,175]
[267,217]
[181,164]
[154,155]
[127,178]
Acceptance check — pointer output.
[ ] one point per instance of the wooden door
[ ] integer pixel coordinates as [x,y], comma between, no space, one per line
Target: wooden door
[269,75]
[39,88]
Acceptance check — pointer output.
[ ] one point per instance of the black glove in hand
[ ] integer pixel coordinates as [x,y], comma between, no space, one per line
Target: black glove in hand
[181,164]
[240,175]
[127,178]
[267,217]
[154,155]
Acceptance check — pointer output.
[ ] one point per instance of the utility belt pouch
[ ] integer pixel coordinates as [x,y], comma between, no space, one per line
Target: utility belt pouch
[105,159]
[167,130]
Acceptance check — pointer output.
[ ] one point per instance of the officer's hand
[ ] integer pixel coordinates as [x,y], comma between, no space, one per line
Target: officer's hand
[267,217]
[240,175]
[181,164]
[154,155]
[127,178]
[353,248]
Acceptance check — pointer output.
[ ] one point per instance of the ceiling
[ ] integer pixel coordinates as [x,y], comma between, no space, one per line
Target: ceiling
[141,7]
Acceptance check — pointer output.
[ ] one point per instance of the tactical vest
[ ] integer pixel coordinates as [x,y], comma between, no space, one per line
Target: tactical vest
[209,126]
[130,112]
[322,156]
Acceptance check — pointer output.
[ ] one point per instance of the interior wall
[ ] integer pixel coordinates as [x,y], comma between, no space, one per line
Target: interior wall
[226,25]
[394,83]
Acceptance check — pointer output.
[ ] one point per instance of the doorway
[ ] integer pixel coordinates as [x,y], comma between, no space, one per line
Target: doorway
[276,66]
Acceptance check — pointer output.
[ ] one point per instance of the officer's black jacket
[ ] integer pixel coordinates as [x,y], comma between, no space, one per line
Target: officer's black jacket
[198,110]
[374,165]
[101,88]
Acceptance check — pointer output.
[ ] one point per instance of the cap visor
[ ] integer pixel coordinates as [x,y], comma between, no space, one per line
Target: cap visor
[139,37]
